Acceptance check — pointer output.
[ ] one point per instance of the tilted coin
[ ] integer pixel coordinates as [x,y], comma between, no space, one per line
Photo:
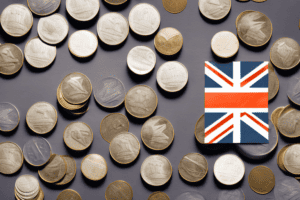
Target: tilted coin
[9,117]
[291,159]
[235,194]
[172,76]
[27,184]
[280,157]
[254,29]
[287,189]
[119,190]
[293,90]
[115,2]
[242,13]
[273,82]
[71,170]
[109,92]
[11,59]
[199,130]
[83,43]
[94,167]
[144,19]
[157,133]
[11,158]
[156,170]
[275,116]
[83,10]
[42,7]
[41,117]
[261,179]
[288,122]
[39,54]
[69,194]
[112,125]
[214,10]
[141,60]
[141,101]
[190,196]
[158,196]
[225,44]
[53,29]
[168,41]
[174,6]
[193,167]
[16,20]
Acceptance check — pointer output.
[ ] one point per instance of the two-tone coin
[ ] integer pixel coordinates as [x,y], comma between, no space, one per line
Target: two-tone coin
[214,10]
[11,157]
[119,190]
[242,13]
[286,189]
[291,159]
[9,117]
[69,194]
[11,59]
[293,91]
[71,170]
[94,167]
[280,157]
[158,196]
[235,194]
[273,82]
[83,10]
[190,196]
[27,187]
[174,6]
[275,116]
[42,7]
[288,122]
[261,179]
[115,2]
[225,44]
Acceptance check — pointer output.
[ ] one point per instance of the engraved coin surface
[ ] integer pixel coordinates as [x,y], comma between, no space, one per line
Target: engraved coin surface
[27,184]
[293,90]
[71,170]
[261,179]
[9,117]
[35,195]
[214,9]
[141,101]
[69,194]
[236,194]
[11,59]
[11,158]
[83,10]
[141,60]
[225,44]
[39,54]
[112,125]
[190,196]
[16,20]
[158,196]
[157,133]
[199,130]
[94,167]
[242,13]
[156,170]
[119,190]
[42,7]
[287,189]
[172,76]
[291,159]
[144,19]
[275,116]
[229,169]
[174,6]
[273,82]
[115,2]
[112,28]
[288,124]
[168,41]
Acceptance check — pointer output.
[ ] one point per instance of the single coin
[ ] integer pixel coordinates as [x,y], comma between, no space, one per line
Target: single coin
[27,184]
[254,29]
[190,196]
[9,117]
[172,76]
[141,101]
[168,41]
[11,59]
[174,6]
[287,189]
[119,190]
[141,60]
[39,54]
[235,194]
[288,122]
[156,170]
[69,194]
[109,92]
[273,82]
[193,167]
[83,10]
[275,116]
[144,19]
[229,169]
[11,158]
[53,29]
[115,2]
[259,1]
[225,44]
[199,130]
[157,133]
[42,7]
[16,20]
[94,167]
[83,43]
[214,9]
[261,179]
[242,13]
[41,117]
[37,151]
[112,125]
[280,157]
[71,170]
[112,28]
[291,159]
[293,90]
[158,196]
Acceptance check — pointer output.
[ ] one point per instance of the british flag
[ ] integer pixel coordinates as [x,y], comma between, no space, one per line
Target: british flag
[236,102]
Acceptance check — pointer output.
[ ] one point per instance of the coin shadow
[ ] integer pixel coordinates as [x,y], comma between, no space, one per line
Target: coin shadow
[32,133]
[11,76]
[209,21]
[107,47]
[84,60]
[65,114]
[198,183]
[169,57]
[110,110]
[156,188]
[289,72]
[229,187]
[15,40]
[153,152]
[61,43]
[9,133]
[77,154]
[138,121]
[38,70]
[125,165]
[223,60]
[93,184]
[32,168]
[171,95]
[116,8]
[143,38]
[80,25]
[139,78]
[255,49]
[213,149]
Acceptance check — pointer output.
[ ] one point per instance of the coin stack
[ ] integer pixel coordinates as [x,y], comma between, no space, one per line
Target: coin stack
[28,187]
[287,159]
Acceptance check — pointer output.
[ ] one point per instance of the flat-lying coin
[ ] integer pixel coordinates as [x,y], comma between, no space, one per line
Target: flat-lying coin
[280,157]
[11,59]
[174,6]
[199,130]
[83,10]
[190,196]
[291,159]
[115,2]
[273,82]
[158,196]
[172,76]
[225,44]
[9,117]
[214,10]
[236,194]
[94,167]
[261,179]
[69,194]
[242,13]
[42,7]
[11,158]
[71,170]
[287,189]
[119,190]
[16,20]
[293,91]
[288,122]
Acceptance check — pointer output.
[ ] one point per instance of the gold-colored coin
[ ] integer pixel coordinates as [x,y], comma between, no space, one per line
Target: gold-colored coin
[275,116]
[280,158]
[115,2]
[119,190]
[261,179]
[273,82]
[158,196]
[64,103]
[11,59]
[199,130]
[71,170]
[174,6]
[214,10]
[259,1]
[242,13]
[291,159]
[94,167]
[83,10]
[288,122]
[11,158]
[69,194]
[225,44]
[168,41]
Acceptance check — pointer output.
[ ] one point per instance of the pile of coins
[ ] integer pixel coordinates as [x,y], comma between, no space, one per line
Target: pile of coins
[287,159]
[28,187]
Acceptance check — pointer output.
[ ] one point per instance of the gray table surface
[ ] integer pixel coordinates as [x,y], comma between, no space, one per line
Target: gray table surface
[182,110]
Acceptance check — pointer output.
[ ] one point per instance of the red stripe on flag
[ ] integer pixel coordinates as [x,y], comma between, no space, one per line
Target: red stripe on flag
[219,124]
[218,136]
[254,76]
[255,120]
[219,75]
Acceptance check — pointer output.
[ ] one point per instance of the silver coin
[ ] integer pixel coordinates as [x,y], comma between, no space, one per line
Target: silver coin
[27,184]
[236,194]
[293,90]
[141,60]
[215,9]
[144,19]
[53,29]
[287,189]
[11,59]
[11,157]
[291,159]
[9,117]
[112,28]
[83,10]
[288,123]
[42,7]
[190,196]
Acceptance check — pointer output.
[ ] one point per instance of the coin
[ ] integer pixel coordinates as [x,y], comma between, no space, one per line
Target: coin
[214,10]
[69,194]
[141,60]
[291,159]
[112,28]
[109,92]
[168,41]
[141,101]
[39,54]
[16,20]
[9,117]
[225,44]
[32,196]
[27,184]
[174,6]
[158,196]
[275,116]
[261,179]
[288,122]
[83,10]
[156,170]
[190,196]
[287,189]
[94,167]
[254,28]
[11,158]
[112,125]
[37,151]
[235,194]
[157,133]
[293,89]
[242,13]
[229,169]
[259,1]
[42,7]
[193,167]
[115,2]
[144,19]
[172,76]
[199,130]
[83,43]
[53,29]
[71,170]
[280,157]
[273,82]
[41,117]
[119,190]
[11,59]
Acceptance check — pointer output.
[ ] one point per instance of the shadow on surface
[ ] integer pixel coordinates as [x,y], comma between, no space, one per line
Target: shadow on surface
[228,187]
[156,188]
[223,60]
[81,25]
[93,184]
[124,165]
[116,8]
[9,133]
[195,184]
[11,76]
[255,49]
[107,47]
[138,79]
[209,21]
[109,110]
[153,152]
[213,149]
[37,70]
[142,38]
[170,57]
[84,60]
[138,121]
[32,133]
[15,40]
[171,95]
[77,154]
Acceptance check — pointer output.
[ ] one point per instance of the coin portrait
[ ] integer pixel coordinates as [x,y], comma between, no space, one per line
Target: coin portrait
[115,2]
[190,196]
[42,7]
[174,6]
[287,189]
[224,44]
[214,9]
[119,190]
[288,122]
[9,117]
[261,179]
[273,82]
[83,10]
[11,59]
[69,194]
[94,167]
[11,158]
[71,170]
[291,159]
[235,194]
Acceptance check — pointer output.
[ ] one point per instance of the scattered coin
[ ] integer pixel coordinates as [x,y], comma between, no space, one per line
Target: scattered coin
[69,194]
[242,13]
[235,194]
[119,190]
[259,1]
[115,2]
[42,7]
[225,44]
[275,116]
[261,179]
[280,157]
[94,167]
[11,59]
[291,159]
[287,189]
[27,187]
[83,10]
[9,117]
[288,122]
[190,196]
[273,82]
[11,158]
[293,90]
[71,170]
[214,10]
[174,6]
[158,196]
[199,130]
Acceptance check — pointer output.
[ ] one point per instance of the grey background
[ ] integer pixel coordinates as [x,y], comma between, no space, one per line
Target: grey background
[182,110]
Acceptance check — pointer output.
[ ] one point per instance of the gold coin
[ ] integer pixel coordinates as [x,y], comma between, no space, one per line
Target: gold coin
[288,122]
[273,82]
[214,10]
[94,167]
[168,41]
[225,44]
[261,179]
[280,158]
[83,10]
[291,159]
[69,194]
[71,170]
[259,1]
[158,196]
[11,157]
[275,116]
[11,59]
[115,2]
[199,130]
[119,190]
[64,103]
[242,13]
[174,6]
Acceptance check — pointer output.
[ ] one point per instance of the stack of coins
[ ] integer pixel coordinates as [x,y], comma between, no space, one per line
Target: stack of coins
[287,122]
[28,187]
[287,159]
